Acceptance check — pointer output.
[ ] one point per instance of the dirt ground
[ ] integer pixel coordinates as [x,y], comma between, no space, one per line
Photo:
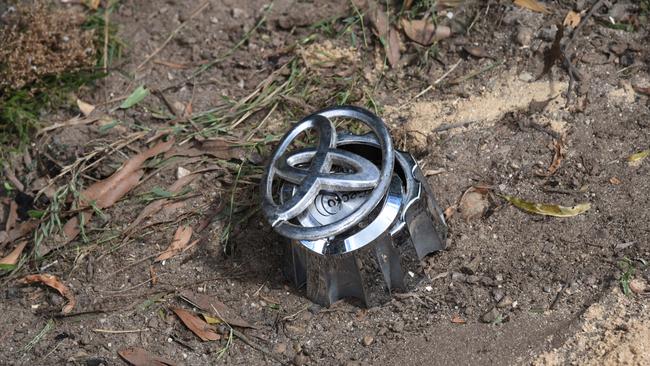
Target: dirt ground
[511,288]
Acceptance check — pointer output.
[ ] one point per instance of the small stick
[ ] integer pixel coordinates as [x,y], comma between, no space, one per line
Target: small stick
[440,79]
[110,331]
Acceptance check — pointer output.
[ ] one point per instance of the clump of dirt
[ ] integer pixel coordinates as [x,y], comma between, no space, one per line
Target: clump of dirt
[37,40]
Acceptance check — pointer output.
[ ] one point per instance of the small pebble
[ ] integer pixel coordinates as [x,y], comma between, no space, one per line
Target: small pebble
[367,340]
[637,286]
[280,348]
[505,302]
[300,360]
[491,316]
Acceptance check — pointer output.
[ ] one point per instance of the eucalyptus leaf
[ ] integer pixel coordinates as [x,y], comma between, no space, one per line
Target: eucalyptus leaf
[548,210]
[136,97]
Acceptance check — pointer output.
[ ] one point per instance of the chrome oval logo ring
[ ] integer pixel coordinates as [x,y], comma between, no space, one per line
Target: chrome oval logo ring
[318,176]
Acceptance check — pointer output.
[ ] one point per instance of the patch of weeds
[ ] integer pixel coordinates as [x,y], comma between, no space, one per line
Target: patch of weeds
[628,269]
[47,53]
[109,46]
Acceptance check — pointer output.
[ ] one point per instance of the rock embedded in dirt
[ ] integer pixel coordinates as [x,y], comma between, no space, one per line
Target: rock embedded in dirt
[397,327]
[524,36]
[367,340]
[491,316]
[280,348]
[300,360]
[638,286]
[498,294]
[505,302]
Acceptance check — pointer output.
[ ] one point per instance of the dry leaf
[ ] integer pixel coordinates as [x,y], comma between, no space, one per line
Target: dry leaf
[215,308]
[473,203]
[100,190]
[179,243]
[559,148]
[548,210]
[106,192]
[424,31]
[12,258]
[155,206]
[456,319]
[12,217]
[85,108]
[572,19]
[18,232]
[615,181]
[386,33]
[477,52]
[140,357]
[533,5]
[449,211]
[55,283]
[636,159]
[199,327]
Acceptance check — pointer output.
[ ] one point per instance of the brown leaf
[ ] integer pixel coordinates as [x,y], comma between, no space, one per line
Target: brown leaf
[108,191]
[85,108]
[456,319]
[387,33]
[557,159]
[179,243]
[12,217]
[198,326]
[56,284]
[477,52]
[424,32]
[18,232]
[473,203]
[155,206]
[101,189]
[12,258]
[533,5]
[216,308]
[572,19]
[140,357]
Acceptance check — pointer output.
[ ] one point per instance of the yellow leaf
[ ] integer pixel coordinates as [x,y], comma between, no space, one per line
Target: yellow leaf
[572,19]
[211,320]
[635,159]
[548,210]
[533,5]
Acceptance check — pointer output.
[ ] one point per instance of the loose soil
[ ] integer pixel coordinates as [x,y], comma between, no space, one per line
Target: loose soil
[511,288]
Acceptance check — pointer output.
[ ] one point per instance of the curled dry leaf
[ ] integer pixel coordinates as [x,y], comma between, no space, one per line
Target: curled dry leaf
[215,308]
[55,283]
[12,258]
[424,32]
[198,326]
[533,5]
[558,156]
[85,108]
[474,202]
[179,243]
[548,210]
[572,19]
[141,357]
[642,90]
